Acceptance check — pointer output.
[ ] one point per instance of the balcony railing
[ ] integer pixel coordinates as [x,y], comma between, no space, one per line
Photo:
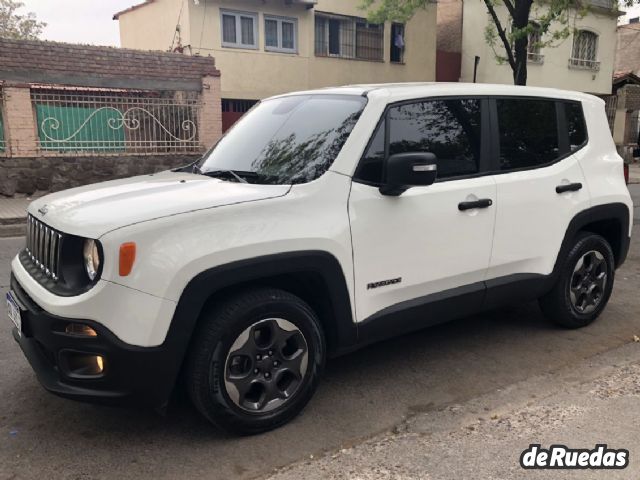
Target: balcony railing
[582,64]
[606,4]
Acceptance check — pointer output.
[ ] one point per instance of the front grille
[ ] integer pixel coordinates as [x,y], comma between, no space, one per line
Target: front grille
[43,247]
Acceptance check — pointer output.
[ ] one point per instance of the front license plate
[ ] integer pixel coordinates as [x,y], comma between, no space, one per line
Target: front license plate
[14,312]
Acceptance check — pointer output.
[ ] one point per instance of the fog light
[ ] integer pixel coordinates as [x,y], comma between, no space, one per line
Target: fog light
[100,363]
[77,364]
[80,330]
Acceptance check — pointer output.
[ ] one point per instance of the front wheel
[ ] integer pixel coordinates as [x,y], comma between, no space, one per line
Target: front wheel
[584,284]
[255,361]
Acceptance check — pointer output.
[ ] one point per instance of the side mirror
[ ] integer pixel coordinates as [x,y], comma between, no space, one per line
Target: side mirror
[406,170]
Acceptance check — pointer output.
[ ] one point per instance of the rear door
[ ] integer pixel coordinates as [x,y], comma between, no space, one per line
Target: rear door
[540,184]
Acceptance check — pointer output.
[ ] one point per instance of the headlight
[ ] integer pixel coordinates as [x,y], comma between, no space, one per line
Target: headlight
[91,258]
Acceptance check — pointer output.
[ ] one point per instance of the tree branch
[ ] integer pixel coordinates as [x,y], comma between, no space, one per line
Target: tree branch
[510,7]
[501,34]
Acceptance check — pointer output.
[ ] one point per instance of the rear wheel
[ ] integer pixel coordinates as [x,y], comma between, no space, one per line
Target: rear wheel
[584,285]
[255,361]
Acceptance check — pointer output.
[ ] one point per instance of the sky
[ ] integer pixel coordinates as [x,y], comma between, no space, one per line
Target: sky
[90,21]
[631,12]
[79,21]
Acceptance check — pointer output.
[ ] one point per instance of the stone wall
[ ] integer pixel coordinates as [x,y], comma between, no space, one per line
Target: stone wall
[28,175]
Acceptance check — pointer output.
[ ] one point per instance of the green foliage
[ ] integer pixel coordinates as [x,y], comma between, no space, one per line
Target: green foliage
[491,38]
[393,10]
[547,22]
[18,26]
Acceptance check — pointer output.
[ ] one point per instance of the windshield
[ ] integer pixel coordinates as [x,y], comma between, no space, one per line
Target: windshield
[286,140]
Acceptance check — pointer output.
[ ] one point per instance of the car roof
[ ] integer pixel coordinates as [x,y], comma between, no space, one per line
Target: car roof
[393,92]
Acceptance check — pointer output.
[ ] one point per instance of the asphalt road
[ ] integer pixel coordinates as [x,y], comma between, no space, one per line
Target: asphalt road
[364,393]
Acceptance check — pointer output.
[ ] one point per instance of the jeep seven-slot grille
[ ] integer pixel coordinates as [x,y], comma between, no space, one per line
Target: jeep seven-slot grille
[43,247]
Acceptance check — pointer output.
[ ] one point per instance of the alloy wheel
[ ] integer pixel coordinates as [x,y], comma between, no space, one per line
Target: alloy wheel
[266,365]
[588,282]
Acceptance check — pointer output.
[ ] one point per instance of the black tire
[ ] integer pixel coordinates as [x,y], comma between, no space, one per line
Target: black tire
[239,322]
[569,303]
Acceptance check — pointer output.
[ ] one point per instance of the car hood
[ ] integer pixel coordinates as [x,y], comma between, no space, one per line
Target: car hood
[93,210]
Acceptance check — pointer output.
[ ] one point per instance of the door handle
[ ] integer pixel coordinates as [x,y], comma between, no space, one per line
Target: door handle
[482,203]
[569,187]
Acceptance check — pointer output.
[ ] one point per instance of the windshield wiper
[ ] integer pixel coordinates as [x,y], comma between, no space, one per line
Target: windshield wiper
[219,173]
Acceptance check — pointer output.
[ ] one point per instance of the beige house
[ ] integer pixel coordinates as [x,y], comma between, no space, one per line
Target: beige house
[267,47]
[583,62]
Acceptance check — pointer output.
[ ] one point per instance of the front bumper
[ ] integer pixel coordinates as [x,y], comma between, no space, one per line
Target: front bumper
[131,375]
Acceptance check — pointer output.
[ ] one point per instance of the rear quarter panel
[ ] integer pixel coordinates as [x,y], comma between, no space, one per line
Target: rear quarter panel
[601,164]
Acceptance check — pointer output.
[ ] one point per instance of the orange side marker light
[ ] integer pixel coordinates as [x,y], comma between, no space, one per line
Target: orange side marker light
[127,258]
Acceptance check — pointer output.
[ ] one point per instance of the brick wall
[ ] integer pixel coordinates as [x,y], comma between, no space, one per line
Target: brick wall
[28,175]
[449,21]
[31,60]
[628,48]
[20,127]
[211,112]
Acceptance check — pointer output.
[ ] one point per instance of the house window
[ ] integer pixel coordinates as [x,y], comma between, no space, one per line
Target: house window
[233,110]
[348,37]
[534,38]
[397,43]
[280,34]
[237,106]
[585,50]
[533,45]
[239,29]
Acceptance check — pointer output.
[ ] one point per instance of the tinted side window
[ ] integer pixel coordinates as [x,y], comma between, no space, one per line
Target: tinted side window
[450,129]
[575,125]
[370,167]
[528,132]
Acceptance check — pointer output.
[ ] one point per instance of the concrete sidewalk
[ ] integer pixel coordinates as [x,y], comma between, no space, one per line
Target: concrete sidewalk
[13,215]
[594,402]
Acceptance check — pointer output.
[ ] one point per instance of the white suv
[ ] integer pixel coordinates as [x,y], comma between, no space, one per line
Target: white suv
[323,221]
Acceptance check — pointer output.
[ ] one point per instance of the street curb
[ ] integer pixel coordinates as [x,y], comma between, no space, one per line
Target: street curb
[13,229]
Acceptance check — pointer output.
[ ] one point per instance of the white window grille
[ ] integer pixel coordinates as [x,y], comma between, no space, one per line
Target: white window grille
[585,51]
[239,29]
[280,34]
[116,122]
[533,46]
[534,39]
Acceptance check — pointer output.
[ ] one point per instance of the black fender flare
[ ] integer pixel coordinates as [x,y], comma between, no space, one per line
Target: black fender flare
[607,211]
[207,283]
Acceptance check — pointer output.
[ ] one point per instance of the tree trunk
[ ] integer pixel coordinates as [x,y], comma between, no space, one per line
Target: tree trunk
[522,9]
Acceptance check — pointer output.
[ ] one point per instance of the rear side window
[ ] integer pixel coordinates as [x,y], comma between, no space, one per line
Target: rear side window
[575,125]
[528,132]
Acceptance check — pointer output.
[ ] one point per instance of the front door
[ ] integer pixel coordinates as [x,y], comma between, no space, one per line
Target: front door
[421,243]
